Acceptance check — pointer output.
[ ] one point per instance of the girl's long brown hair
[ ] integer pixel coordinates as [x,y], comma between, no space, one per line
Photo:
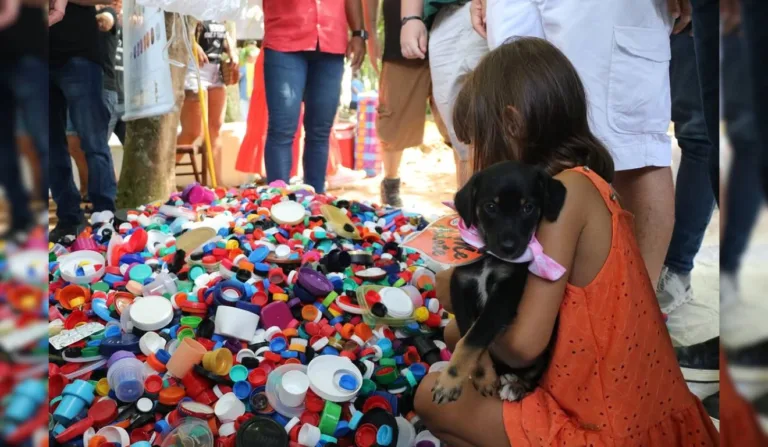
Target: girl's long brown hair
[525,102]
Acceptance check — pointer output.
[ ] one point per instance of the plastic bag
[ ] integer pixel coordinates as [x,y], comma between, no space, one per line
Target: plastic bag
[201,9]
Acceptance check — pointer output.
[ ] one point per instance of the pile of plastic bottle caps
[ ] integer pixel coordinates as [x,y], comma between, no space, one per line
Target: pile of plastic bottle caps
[260,316]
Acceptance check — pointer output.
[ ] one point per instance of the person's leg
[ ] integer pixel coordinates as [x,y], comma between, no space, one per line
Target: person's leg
[77,154]
[217,102]
[63,188]
[623,62]
[743,193]
[120,130]
[285,78]
[190,118]
[706,37]
[82,85]
[454,50]
[755,14]
[403,91]
[31,87]
[10,170]
[694,201]
[472,421]
[321,99]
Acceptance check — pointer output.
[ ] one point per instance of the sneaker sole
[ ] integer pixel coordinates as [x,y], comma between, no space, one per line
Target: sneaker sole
[701,375]
[716,422]
[748,374]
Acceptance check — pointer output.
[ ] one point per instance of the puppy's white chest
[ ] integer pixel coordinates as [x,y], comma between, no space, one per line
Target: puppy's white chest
[482,286]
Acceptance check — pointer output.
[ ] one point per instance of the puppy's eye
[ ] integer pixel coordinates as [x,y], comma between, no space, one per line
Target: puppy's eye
[490,208]
[528,208]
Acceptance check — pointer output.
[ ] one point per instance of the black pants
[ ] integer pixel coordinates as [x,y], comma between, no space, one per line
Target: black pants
[754,16]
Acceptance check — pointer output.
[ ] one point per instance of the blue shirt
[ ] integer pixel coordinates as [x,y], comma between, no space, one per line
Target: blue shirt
[357,88]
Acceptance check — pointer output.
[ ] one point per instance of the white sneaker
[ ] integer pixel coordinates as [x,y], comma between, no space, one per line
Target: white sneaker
[743,321]
[344,177]
[689,321]
[673,290]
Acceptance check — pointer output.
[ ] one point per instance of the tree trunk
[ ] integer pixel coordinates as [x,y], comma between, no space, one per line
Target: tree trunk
[149,156]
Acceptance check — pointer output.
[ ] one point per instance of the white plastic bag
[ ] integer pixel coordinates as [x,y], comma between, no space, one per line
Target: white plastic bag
[201,9]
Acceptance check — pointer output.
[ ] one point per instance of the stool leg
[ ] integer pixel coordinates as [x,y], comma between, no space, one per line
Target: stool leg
[195,170]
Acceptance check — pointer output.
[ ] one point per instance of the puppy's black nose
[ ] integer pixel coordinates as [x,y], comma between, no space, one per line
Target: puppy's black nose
[508,246]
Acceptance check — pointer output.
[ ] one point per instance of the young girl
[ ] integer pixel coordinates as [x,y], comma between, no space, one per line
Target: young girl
[613,379]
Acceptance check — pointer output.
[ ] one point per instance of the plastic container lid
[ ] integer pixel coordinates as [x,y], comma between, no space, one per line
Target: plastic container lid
[287,213]
[315,282]
[398,302]
[69,264]
[261,432]
[273,381]
[406,432]
[325,373]
[189,431]
[151,313]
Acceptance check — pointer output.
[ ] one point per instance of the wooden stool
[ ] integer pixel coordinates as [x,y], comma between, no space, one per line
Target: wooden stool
[188,150]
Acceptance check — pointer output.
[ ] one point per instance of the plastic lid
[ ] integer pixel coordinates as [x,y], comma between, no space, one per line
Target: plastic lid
[144,405]
[103,412]
[153,384]
[261,432]
[151,313]
[315,282]
[324,374]
[348,382]
[287,212]
[398,303]
[365,436]
[140,272]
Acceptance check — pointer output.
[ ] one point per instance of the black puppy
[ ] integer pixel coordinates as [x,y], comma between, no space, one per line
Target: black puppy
[505,203]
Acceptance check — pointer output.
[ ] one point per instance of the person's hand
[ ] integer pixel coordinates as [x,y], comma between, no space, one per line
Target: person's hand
[413,40]
[477,13]
[56,11]
[9,12]
[680,10]
[202,58]
[105,20]
[730,14]
[356,51]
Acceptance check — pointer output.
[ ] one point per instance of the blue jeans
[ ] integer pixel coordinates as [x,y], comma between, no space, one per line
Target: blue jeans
[744,195]
[706,37]
[694,201]
[77,87]
[23,84]
[289,78]
[110,100]
[754,16]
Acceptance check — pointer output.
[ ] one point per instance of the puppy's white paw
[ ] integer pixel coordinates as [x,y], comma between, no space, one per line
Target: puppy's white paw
[511,389]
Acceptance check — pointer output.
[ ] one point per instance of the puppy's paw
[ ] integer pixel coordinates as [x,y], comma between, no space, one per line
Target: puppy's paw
[512,388]
[484,376]
[448,386]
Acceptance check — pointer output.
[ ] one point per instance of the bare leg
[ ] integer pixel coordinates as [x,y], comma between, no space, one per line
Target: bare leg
[391,159]
[191,120]
[76,152]
[463,171]
[217,102]
[471,421]
[649,194]
[452,335]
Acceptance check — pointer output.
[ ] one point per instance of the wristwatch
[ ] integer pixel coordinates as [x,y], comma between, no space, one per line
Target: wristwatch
[409,18]
[360,33]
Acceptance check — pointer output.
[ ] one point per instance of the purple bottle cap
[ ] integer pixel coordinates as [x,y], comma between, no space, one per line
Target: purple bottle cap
[315,282]
[119,355]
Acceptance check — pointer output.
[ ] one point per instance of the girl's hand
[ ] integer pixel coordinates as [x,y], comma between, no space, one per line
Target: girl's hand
[413,40]
[202,58]
[680,10]
[477,13]
[56,11]
[356,52]
[9,12]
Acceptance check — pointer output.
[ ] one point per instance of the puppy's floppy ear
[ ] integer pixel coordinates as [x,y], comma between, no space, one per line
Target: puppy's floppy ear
[552,196]
[465,201]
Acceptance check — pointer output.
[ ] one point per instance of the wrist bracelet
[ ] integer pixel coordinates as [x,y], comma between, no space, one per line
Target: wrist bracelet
[404,20]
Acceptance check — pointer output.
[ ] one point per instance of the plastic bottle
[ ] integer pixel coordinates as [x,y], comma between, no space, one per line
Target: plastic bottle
[126,376]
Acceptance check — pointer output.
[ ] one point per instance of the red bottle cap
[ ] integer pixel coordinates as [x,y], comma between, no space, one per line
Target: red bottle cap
[103,412]
[376,402]
[257,377]
[365,436]
[314,403]
[153,384]
[75,430]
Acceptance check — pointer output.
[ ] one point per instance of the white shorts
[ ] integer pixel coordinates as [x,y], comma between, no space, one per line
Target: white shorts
[454,50]
[621,49]
[210,77]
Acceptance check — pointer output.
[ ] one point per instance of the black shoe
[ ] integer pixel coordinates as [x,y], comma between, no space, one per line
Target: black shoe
[749,364]
[712,405]
[700,362]
[390,192]
[65,233]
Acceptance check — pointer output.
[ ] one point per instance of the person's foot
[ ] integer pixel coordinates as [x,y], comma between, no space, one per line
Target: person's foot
[712,405]
[64,231]
[344,177]
[700,362]
[390,192]
[673,291]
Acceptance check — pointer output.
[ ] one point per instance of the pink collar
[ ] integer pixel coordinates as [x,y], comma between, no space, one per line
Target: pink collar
[540,265]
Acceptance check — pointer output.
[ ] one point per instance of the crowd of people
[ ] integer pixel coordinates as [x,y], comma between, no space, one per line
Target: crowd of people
[585,90]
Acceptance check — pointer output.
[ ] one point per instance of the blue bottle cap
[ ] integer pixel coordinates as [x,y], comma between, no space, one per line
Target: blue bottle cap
[348,382]
[342,429]
[163,356]
[242,389]
[355,420]
[384,436]
[277,344]
[162,426]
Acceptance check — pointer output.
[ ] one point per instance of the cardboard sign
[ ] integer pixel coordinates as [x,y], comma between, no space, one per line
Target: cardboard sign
[441,245]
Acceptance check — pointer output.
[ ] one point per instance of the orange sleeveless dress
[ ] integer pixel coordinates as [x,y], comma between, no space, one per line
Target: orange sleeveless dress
[613,379]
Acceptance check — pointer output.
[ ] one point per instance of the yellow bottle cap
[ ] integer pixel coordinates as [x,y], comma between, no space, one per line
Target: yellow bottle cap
[102,387]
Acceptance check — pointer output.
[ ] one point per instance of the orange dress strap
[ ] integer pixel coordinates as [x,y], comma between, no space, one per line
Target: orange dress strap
[610,196]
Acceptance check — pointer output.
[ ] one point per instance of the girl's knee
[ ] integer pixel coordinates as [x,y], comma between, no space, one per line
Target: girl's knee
[423,404]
